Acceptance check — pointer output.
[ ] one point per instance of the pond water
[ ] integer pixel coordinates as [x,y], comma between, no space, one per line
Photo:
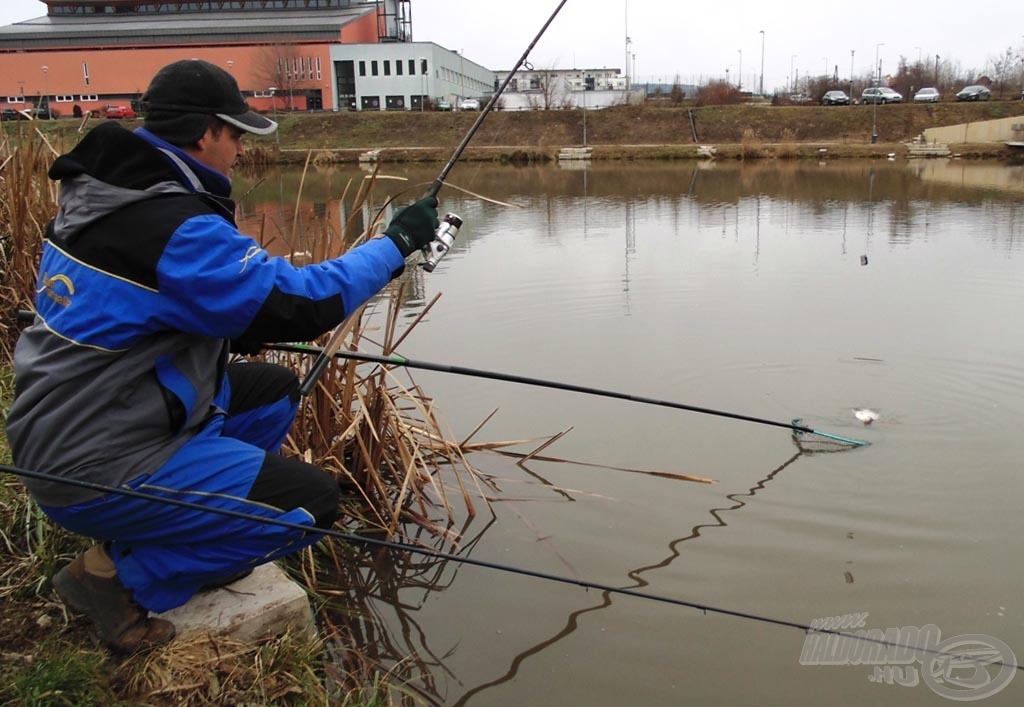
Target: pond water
[782,291]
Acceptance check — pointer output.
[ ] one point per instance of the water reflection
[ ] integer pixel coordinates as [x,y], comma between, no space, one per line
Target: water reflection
[372,596]
[898,201]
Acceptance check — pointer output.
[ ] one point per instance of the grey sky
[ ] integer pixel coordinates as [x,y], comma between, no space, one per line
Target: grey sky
[698,40]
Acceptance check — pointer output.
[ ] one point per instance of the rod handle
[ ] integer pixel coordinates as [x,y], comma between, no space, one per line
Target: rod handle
[315,371]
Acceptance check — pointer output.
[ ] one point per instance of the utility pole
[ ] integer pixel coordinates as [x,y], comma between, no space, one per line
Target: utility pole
[761,90]
[626,25]
[739,73]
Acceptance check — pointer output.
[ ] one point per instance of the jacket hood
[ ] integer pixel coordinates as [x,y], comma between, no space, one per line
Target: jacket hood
[113,167]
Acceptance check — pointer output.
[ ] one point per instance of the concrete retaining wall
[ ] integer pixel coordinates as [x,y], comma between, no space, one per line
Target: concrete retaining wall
[1000,130]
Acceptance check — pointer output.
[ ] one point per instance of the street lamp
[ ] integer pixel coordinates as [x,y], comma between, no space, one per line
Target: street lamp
[627,61]
[792,87]
[761,90]
[851,75]
[423,82]
[273,102]
[46,87]
[874,112]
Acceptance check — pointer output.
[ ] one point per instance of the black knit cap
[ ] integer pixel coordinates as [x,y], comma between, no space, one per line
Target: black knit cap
[183,95]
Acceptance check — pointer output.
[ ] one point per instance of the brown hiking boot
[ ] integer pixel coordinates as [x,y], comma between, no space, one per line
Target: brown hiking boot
[89,585]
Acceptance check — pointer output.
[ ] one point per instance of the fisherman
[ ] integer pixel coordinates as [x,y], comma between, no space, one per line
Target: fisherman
[144,287]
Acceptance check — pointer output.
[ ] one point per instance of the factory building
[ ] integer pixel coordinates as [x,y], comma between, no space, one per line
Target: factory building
[287,55]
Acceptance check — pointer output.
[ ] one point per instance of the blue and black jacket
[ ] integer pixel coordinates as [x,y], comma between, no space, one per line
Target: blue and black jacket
[144,281]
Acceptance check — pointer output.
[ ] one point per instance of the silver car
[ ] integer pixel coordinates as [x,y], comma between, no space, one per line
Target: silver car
[880,94]
[927,95]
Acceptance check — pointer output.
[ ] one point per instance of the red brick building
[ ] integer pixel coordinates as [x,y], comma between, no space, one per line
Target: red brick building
[95,53]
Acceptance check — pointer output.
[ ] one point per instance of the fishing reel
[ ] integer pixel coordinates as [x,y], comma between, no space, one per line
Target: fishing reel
[444,237]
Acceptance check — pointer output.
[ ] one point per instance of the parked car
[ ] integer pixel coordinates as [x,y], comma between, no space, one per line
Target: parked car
[927,95]
[120,112]
[974,92]
[880,94]
[36,114]
[835,98]
[444,106]
[469,104]
[12,114]
[799,98]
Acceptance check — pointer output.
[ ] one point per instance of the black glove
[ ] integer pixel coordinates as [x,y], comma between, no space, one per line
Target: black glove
[414,226]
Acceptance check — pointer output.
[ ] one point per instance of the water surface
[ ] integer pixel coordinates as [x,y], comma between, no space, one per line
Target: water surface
[778,290]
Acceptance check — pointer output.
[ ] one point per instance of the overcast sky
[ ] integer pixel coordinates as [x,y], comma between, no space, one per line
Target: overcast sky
[705,39]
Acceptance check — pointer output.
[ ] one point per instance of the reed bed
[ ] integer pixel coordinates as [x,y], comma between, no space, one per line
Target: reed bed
[378,434]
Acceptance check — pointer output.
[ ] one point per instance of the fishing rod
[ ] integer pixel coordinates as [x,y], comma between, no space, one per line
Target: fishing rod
[435,187]
[396,360]
[486,564]
[450,224]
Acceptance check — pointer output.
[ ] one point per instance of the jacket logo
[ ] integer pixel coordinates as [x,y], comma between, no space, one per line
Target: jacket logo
[59,288]
[249,255]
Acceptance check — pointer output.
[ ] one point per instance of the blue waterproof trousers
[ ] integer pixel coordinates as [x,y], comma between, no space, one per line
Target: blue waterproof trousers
[164,553]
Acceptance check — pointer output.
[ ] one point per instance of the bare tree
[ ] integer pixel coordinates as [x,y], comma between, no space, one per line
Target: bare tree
[677,94]
[1003,68]
[282,67]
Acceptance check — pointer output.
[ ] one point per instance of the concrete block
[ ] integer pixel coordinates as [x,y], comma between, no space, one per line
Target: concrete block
[265,602]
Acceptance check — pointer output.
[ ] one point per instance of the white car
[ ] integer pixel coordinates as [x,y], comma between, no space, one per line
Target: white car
[927,95]
[469,104]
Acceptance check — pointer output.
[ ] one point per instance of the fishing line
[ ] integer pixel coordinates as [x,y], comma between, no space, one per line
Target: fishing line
[485,564]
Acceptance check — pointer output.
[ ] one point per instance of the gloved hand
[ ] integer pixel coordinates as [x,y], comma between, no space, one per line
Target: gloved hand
[413,226]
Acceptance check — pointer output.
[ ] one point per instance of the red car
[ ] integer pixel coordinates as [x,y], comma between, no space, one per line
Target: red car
[121,112]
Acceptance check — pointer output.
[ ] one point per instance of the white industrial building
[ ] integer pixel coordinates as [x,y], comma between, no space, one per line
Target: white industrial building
[546,89]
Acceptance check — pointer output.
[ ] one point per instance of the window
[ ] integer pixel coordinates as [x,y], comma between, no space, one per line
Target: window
[88,97]
[412,67]
[15,99]
[362,68]
[387,67]
[374,68]
[85,73]
[318,69]
[398,67]
[423,66]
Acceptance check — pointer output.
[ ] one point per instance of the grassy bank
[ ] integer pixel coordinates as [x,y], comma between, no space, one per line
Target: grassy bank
[648,131]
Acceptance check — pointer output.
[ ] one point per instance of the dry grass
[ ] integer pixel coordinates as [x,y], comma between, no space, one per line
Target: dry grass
[751,145]
[27,200]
